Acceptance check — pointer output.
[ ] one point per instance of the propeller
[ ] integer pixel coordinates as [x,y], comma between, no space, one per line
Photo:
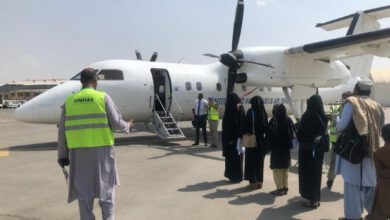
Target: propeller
[235,58]
[153,58]
[138,55]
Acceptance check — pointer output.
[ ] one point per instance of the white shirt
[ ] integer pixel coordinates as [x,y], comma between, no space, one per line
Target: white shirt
[203,107]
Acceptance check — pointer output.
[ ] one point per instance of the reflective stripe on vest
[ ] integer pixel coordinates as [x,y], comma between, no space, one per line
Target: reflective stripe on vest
[213,114]
[332,134]
[86,122]
[334,109]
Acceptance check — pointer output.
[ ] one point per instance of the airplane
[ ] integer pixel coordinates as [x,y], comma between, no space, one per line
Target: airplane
[161,94]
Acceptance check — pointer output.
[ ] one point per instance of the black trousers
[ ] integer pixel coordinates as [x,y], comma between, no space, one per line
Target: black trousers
[201,122]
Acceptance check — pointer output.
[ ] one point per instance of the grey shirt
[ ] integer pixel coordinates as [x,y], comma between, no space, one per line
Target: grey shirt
[92,171]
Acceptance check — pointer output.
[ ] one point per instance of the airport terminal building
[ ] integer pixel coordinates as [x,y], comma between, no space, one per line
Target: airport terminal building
[21,91]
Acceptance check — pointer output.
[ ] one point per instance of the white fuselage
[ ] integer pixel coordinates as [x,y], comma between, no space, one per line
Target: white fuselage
[134,95]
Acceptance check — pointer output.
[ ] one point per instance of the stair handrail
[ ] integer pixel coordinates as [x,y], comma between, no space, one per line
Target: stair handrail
[178,106]
[162,106]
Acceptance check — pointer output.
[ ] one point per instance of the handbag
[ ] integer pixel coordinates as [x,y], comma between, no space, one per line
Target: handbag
[324,142]
[350,145]
[249,140]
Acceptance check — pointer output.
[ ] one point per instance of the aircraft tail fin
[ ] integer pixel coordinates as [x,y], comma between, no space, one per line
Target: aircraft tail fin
[357,23]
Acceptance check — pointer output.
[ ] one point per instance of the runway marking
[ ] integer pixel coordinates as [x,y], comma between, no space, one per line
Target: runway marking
[4,153]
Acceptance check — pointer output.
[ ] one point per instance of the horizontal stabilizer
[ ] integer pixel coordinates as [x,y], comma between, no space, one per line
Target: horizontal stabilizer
[376,14]
[374,42]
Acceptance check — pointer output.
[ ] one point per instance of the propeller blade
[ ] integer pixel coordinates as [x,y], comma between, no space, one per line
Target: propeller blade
[261,64]
[237,24]
[138,55]
[153,58]
[210,55]
[231,79]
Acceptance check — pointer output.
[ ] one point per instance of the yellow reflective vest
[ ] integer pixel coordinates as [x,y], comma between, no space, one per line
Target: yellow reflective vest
[86,122]
[213,113]
[334,110]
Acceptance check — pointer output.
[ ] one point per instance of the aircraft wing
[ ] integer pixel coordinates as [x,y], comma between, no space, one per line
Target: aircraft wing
[376,43]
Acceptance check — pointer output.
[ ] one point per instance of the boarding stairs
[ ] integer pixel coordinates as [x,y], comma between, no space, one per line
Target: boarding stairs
[163,123]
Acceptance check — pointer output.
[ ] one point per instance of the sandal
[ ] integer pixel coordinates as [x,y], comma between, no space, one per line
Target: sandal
[312,205]
[278,192]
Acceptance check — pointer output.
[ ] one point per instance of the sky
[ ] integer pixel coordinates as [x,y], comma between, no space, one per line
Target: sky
[43,39]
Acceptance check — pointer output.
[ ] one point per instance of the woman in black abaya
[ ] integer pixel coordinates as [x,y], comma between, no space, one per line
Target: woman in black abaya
[256,120]
[313,124]
[232,129]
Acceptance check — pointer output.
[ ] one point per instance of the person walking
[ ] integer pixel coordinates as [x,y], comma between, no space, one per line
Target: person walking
[200,117]
[361,117]
[334,114]
[213,116]
[85,143]
[381,208]
[232,130]
[312,127]
[256,122]
[280,133]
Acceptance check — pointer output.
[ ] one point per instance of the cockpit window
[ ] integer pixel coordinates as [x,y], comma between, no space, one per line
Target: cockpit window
[110,75]
[76,77]
[105,74]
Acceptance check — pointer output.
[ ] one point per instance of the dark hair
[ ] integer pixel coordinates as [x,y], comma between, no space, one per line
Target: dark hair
[88,75]
[200,96]
[386,133]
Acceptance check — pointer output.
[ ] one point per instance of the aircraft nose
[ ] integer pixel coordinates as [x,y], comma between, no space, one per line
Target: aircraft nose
[25,113]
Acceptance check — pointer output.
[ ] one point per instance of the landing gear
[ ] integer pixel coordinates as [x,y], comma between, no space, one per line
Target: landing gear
[297,98]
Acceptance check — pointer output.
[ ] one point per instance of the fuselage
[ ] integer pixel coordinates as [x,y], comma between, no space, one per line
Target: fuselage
[134,85]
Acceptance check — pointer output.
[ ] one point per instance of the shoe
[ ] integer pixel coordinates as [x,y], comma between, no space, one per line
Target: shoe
[278,192]
[213,146]
[254,186]
[206,144]
[329,184]
[312,205]
[194,144]
[285,191]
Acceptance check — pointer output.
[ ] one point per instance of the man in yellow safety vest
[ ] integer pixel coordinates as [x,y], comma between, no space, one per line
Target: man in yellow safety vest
[85,143]
[213,116]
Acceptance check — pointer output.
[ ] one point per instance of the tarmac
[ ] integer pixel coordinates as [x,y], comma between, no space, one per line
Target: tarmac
[159,180]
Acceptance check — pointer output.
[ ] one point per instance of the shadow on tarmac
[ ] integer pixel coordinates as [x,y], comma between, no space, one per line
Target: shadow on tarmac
[177,149]
[204,186]
[293,207]
[123,141]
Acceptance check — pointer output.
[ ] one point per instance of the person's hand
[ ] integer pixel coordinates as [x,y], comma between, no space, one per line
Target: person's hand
[131,124]
[63,162]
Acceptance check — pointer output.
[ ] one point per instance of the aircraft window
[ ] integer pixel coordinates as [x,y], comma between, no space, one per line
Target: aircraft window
[244,89]
[198,86]
[269,89]
[76,77]
[188,86]
[261,89]
[219,87]
[110,75]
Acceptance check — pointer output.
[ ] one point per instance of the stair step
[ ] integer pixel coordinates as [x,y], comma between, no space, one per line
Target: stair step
[171,129]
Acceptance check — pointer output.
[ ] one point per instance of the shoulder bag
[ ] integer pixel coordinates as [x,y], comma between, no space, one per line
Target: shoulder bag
[323,144]
[249,140]
[350,145]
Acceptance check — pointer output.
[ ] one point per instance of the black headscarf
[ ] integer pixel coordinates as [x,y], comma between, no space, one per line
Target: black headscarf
[314,121]
[315,106]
